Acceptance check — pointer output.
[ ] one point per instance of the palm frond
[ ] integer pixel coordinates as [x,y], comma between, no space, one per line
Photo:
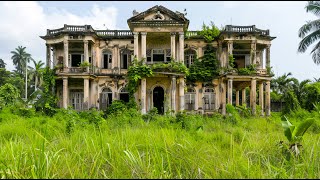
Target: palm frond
[308,40]
[308,27]
[314,7]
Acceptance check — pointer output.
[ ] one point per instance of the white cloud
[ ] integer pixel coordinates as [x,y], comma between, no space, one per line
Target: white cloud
[23,22]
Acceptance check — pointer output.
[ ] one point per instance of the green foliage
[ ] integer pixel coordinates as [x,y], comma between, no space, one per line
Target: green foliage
[205,68]
[24,112]
[270,71]
[151,115]
[48,100]
[210,32]
[312,95]
[117,107]
[9,94]
[294,134]
[231,61]
[244,111]
[232,114]
[84,64]
[250,70]
[92,116]
[135,73]
[292,103]
[172,66]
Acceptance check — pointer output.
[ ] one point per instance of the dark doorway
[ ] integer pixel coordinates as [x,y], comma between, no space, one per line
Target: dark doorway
[75,60]
[158,98]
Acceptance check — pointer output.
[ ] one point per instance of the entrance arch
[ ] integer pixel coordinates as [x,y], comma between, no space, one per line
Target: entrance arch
[158,99]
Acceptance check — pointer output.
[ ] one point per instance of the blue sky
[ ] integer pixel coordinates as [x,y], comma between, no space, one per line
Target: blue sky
[24,22]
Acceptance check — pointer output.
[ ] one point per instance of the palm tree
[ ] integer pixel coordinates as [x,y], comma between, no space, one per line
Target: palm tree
[299,89]
[282,84]
[36,73]
[20,57]
[310,32]
[2,64]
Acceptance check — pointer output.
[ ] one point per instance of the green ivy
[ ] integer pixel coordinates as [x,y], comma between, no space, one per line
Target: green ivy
[250,70]
[48,99]
[136,72]
[231,60]
[205,68]
[172,66]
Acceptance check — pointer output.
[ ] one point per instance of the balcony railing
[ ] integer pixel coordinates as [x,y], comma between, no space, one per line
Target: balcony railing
[248,29]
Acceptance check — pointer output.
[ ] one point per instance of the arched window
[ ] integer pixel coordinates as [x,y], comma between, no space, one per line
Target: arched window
[106,59]
[189,99]
[125,58]
[189,57]
[105,98]
[209,99]
[124,95]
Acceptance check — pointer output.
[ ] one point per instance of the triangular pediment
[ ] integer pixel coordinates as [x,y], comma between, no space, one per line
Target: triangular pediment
[158,14]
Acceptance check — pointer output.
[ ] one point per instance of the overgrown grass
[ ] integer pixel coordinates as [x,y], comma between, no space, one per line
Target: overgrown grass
[125,145]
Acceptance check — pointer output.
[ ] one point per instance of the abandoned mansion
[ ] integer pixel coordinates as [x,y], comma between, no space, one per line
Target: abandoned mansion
[91,65]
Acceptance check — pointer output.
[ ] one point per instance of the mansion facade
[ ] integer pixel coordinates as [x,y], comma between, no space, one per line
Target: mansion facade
[155,36]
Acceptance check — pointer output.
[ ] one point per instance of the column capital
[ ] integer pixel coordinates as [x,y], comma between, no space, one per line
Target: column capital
[65,41]
[85,41]
[230,41]
[65,78]
[135,33]
[268,45]
[173,33]
[181,33]
[267,82]
[143,33]
[253,41]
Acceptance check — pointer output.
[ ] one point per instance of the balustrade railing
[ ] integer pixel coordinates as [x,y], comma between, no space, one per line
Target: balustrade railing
[230,28]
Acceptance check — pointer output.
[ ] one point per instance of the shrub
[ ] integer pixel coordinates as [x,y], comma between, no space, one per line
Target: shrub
[116,107]
[9,94]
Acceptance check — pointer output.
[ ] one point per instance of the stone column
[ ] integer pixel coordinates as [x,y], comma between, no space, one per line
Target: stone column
[200,54]
[85,50]
[173,93]
[253,54]
[220,54]
[93,93]
[237,98]
[143,95]
[268,56]
[136,44]
[230,91]
[243,101]
[181,93]
[253,96]
[261,98]
[65,55]
[268,98]
[223,98]
[149,94]
[173,45]
[65,93]
[230,52]
[181,47]
[144,45]
[48,56]
[86,90]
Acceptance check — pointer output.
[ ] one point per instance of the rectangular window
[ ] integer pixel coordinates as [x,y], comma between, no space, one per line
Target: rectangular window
[124,61]
[105,61]
[75,60]
[158,55]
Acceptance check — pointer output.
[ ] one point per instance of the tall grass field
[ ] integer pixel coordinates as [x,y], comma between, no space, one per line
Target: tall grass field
[125,144]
